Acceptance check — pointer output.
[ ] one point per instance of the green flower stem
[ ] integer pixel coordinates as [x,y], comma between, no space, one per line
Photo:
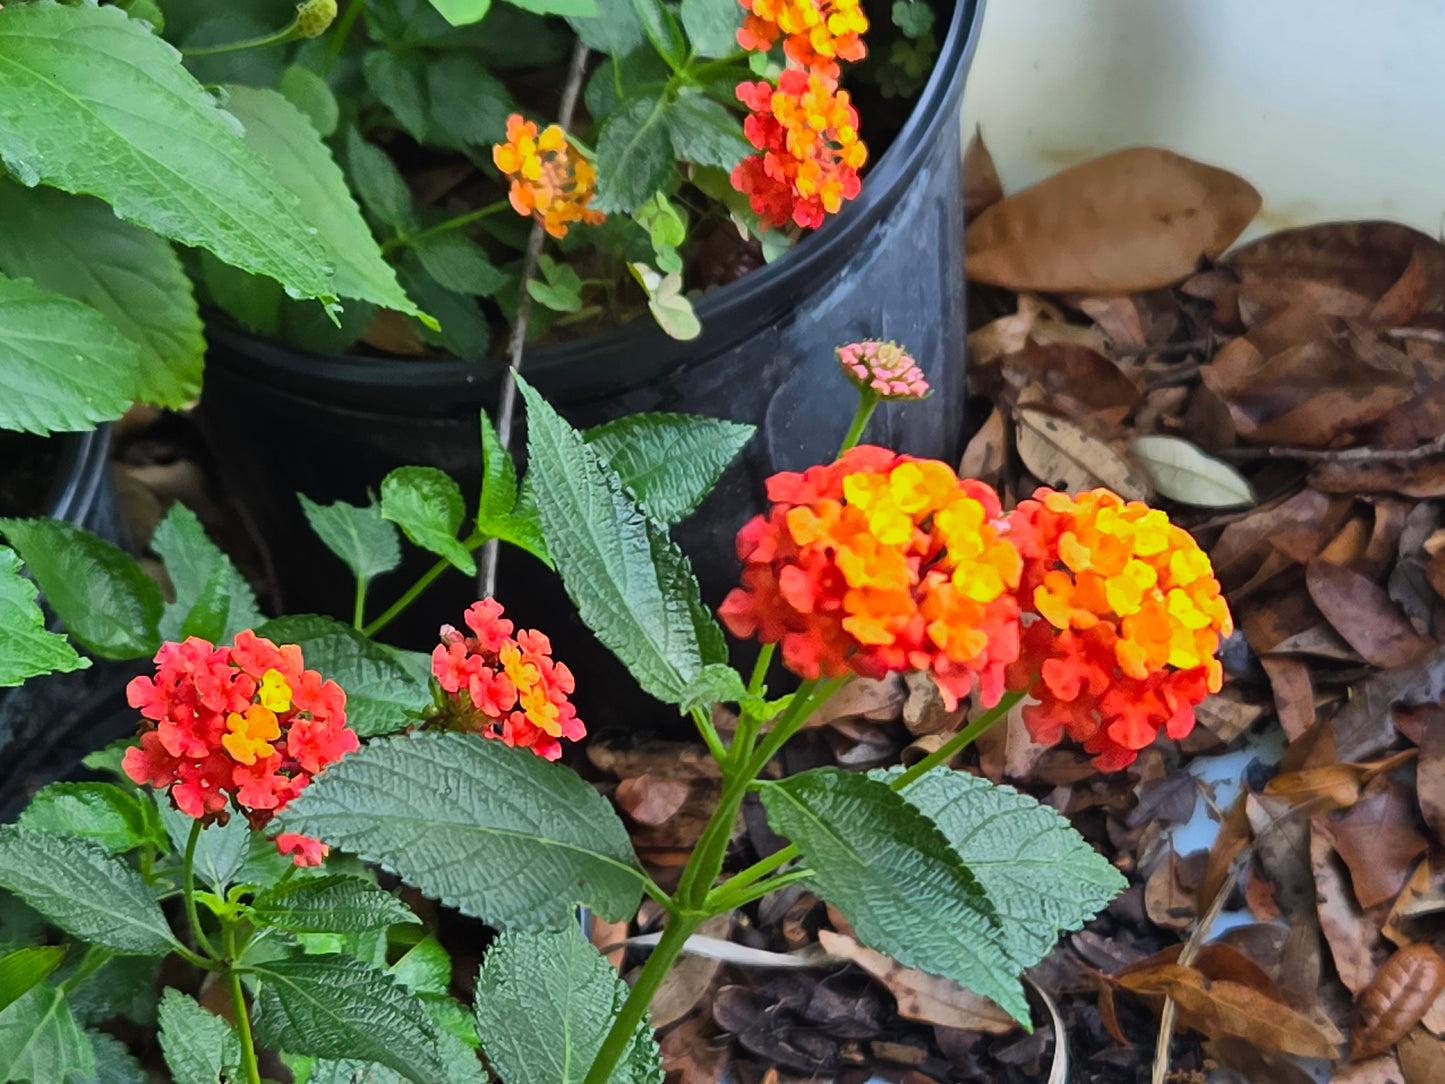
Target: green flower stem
[949,749]
[249,1068]
[634,1010]
[279,37]
[341,30]
[744,896]
[749,877]
[709,734]
[760,669]
[867,403]
[359,609]
[457,223]
[811,695]
[188,884]
[424,581]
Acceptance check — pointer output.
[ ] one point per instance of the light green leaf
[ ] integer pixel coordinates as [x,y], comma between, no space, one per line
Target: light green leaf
[634,154]
[712,26]
[570,8]
[81,888]
[496,832]
[716,683]
[368,544]
[1183,473]
[200,1047]
[76,246]
[459,264]
[1041,876]
[109,606]
[894,876]
[40,1041]
[703,131]
[427,505]
[310,93]
[380,690]
[527,977]
[502,512]
[113,1062]
[425,968]
[614,29]
[26,968]
[116,818]
[377,180]
[196,564]
[669,462]
[331,904]
[92,102]
[299,162]
[338,1007]
[631,584]
[461,12]
[27,648]
[560,289]
[221,850]
[63,366]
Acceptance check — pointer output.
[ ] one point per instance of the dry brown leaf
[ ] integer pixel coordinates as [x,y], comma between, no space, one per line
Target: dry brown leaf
[1168,901]
[694,1052]
[1362,612]
[1402,302]
[1035,321]
[1379,1070]
[987,450]
[1423,477]
[981,186]
[1061,454]
[606,935]
[872,699]
[652,799]
[924,711]
[1132,220]
[1401,993]
[921,996]
[1331,786]
[1422,1057]
[1226,715]
[1379,840]
[1420,896]
[1075,376]
[689,978]
[1297,527]
[1118,317]
[1363,726]
[1294,693]
[1353,936]
[1430,780]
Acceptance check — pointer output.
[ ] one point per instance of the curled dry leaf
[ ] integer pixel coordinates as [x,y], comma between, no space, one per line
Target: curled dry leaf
[1362,612]
[1073,377]
[1035,321]
[1183,473]
[1363,726]
[652,799]
[1060,453]
[1132,220]
[1331,786]
[1352,935]
[981,186]
[1397,999]
[987,450]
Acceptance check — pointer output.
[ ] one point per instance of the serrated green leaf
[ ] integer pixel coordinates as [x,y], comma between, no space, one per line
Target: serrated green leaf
[113,1062]
[496,832]
[116,818]
[640,72]
[310,93]
[380,690]
[85,891]
[463,328]
[338,1007]
[280,136]
[631,584]
[27,648]
[63,366]
[207,616]
[459,264]
[368,544]
[377,180]
[894,876]
[398,78]
[1041,876]
[26,968]
[40,1041]
[527,977]
[467,104]
[331,904]
[427,505]
[123,987]
[1181,472]
[558,298]
[76,246]
[712,26]
[615,29]
[634,154]
[108,605]
[499,475]
[221,849]
[716,683]
[199,1046]
[92,102]
[669,462]
[425,968]
[703,131]
[196,564]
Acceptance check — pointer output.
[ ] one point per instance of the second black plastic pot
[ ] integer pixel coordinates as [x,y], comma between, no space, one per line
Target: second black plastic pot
[890,266]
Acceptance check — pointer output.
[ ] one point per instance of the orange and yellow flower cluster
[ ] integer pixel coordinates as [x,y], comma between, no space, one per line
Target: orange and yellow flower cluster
[1128,617]
[805,129]
[878,563]
[246,723]
[551,181]
[506,687]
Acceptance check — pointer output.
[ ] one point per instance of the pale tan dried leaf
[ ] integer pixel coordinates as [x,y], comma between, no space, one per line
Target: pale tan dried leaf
[1061,454]
[1401,993]
[987,451]
[1379,1070]
[1035,321]
[1183,473]
[1353,936]
[688,979]
[1422,1057]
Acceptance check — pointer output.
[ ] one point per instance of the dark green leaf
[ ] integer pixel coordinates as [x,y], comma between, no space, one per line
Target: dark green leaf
[116,818]
[113,1062]
[527,977]
[338,1007]
[703,131]
[669,462]
[894,876]
[497,832]
[199,1046]
[332,904]
[634,154]
[459,264]
[108,604]
[76,246]
[27,648]
[368,544]
[640,72]
[427,505]
[377,181]
[93,102]
[40,1041]
[24,969]
[712,26]
[660,24]
[195,565]
[615,29]
[467,104]
[81,888]
[123,987]
[207,617]
[398,78]
[221,850]
[464,330]
[716,683]
[559,7]
[380,691]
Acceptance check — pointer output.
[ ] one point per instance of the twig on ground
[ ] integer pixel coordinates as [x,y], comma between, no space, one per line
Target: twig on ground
[1420,334]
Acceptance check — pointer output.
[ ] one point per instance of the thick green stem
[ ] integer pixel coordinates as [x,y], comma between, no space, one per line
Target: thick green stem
[747,878]
[951,748]
[811,695]
[249,1068]
[709,734]
[867,403]
[341,29]
[760,668]
[359,609]
[634,1010]
[188,889]
[422,583]
[457,223]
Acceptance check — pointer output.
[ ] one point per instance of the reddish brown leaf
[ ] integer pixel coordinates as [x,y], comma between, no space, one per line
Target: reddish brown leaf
[1330,786]
[650,799]
[694,1052]
[1363,614]
[1378,1070]
[1410,478]
[1430,779]
[1132,220]
[1297,526]
[1294,693]
[1402,301]
[1353,937]
[1379,839]
[1169,901]
[1072,372]
[1397,999]
[981,186]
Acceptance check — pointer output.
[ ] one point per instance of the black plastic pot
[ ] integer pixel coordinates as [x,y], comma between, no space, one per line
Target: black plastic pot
[889,266]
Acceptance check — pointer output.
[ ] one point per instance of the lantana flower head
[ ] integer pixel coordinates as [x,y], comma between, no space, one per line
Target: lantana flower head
[806,133]
[883,368]
[247,724]
[1126,619]
[551,181]
[504,686]
[816,33]
[879,563]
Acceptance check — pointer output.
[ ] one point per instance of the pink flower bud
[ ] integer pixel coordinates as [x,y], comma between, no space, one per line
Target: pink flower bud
[884,368]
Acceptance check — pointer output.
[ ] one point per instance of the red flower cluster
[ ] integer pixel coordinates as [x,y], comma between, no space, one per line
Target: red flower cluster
[506,687]
[878,563]
[807,133]
[1127,617]
[246,723]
